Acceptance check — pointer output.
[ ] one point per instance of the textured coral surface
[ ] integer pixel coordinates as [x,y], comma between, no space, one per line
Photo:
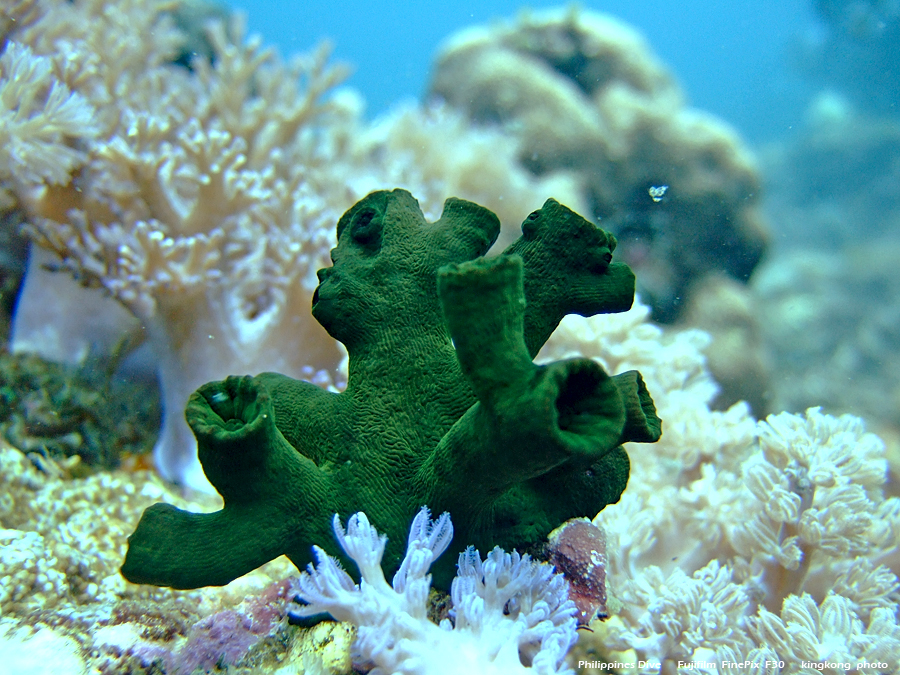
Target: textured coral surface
[66,609]
[443,404]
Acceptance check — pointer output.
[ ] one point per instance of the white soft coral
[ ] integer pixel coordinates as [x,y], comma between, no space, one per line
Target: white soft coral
[510,614]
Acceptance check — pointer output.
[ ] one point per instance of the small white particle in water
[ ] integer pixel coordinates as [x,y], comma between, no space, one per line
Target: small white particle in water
[657,192]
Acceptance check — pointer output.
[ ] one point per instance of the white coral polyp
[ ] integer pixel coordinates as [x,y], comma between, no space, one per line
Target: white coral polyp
[510,614]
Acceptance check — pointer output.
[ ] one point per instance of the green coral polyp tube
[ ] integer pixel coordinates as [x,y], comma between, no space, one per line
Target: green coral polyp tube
[490,345]
[443,406]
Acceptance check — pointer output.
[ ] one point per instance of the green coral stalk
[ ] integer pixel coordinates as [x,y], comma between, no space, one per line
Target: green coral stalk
[443,404]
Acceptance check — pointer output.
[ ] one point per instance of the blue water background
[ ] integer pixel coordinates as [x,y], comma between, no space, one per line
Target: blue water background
[733,59]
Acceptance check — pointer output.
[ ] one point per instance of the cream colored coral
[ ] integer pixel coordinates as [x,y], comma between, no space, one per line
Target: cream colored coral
[727,519]
[817,500]
[322,650]
[207,199]
[28,572]
[830,633]
[687,613]
[40,120]
[414,145]
[171,215]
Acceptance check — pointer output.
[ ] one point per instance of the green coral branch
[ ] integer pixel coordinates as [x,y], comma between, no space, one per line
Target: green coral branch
[443,404]
[253,467]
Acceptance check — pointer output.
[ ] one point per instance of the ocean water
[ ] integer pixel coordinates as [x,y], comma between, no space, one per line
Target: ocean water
[735,60]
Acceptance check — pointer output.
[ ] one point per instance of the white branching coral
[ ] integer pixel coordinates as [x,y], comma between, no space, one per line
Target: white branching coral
[830,632]
[510,614]
[205,199]
[816,495]
[684,613]
[769,542]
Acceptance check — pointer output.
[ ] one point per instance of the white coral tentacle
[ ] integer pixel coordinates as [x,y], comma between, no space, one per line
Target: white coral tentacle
[512,615]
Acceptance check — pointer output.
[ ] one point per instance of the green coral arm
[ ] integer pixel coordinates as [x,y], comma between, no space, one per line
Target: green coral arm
[546,414]
[568,270]
[444,405]
[641,422]
[268,489]
[528,421]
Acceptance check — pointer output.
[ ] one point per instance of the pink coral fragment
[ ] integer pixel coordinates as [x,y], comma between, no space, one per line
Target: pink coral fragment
[578,550]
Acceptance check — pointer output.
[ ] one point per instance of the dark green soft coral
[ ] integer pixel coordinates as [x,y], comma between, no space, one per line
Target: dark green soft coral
[443,405]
